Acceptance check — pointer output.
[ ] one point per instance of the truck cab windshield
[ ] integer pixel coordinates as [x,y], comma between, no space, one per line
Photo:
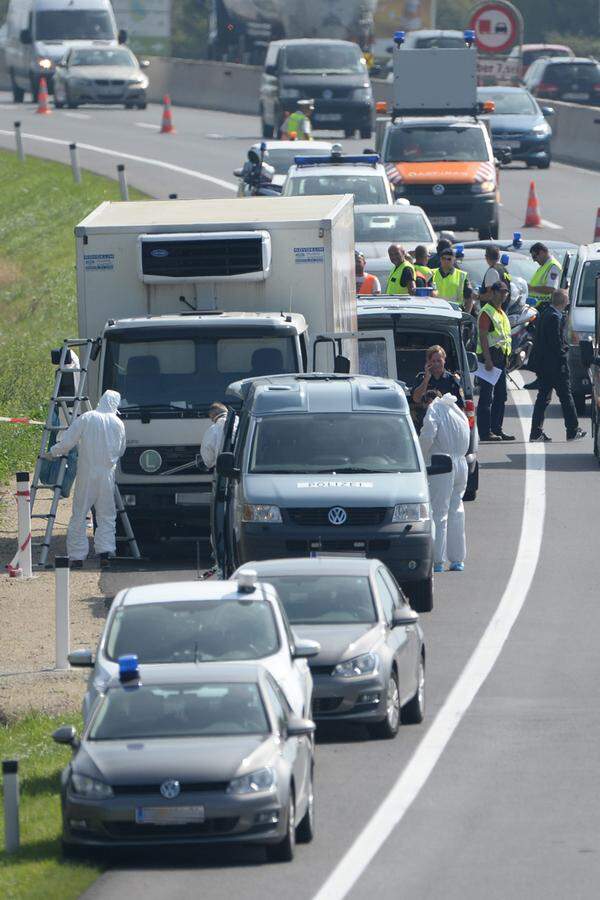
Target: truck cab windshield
[322,58]
[431,144]
[74,25]
[333,443]
[171,374]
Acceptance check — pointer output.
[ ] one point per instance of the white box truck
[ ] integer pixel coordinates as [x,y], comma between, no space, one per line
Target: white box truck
[187,296]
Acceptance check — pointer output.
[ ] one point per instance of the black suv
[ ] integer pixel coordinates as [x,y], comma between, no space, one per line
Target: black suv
[575,80]
[332,73]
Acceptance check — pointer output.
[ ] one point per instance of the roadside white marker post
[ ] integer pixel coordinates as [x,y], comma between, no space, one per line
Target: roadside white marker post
[10,781]
[75,163]
[23,556]
[172,196]
[61,582]
[19,140]
[123,182]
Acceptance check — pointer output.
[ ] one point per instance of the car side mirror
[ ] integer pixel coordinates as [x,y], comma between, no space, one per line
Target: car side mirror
[144,63]
[81,659]
[586,348]
[472,361]
[66,734]
[404,617]
[270,70]
[122,36]
[548,111]
[25,36]
[503,156]
[440,464]
[226,466]
[300,727]
[305,649]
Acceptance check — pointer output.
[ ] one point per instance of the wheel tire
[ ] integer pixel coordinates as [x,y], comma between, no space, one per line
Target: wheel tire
[142,105]
[349,132]
[58,104]
[413,712]
[544,165]
[72,851]
[35,90]
[472,484]
[388,729]
[596,439]
[420,594]
[580,404]
[366,133]
[284,850]
[130,106]
[267,130]
[305,831]
[17,92]
[70,103]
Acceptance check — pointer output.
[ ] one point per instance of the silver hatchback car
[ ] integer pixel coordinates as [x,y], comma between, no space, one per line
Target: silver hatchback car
[104,75]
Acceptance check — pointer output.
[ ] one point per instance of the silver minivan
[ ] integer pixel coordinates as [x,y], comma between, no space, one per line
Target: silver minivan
[583,271]
[40,32]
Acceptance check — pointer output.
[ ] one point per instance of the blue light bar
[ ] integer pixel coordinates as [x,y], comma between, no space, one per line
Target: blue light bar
[469,36]
[517,239]
[399,37]
[505,259]
[369,159]
[459,251]
[129,669]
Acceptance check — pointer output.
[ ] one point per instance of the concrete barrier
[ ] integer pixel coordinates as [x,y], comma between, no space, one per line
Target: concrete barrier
[228,87]
[576,134]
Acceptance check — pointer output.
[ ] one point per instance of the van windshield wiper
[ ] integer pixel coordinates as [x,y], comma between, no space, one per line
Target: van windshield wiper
[148,409]
[349,470]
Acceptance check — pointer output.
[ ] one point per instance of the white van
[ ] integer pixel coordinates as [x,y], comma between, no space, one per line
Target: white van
[39,33]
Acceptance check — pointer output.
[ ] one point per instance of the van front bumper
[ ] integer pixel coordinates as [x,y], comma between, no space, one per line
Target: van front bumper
[454,208]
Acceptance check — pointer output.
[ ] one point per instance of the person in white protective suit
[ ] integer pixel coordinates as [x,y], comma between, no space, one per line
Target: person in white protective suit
[213,439]
[100,437]
[446,430]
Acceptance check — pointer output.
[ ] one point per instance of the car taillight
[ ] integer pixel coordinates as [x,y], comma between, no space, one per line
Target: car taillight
[596,87]
[547,88]
[470,412]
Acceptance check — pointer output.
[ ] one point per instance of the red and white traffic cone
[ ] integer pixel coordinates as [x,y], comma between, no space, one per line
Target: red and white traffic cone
[597,228]
[533,218]
[43,106]
[167,118]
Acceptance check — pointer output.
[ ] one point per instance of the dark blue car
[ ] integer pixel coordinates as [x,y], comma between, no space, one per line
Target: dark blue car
[519,124]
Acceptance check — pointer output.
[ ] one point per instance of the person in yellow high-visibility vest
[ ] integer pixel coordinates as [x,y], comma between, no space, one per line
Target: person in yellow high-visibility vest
[547,277]
[493,349]
[451,283]
[298,123]
[401,279]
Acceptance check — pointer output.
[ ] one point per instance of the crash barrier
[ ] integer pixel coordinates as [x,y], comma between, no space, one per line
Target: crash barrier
[576,134]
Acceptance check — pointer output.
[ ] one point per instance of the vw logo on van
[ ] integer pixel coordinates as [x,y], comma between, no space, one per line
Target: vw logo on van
[438,189]
[170,789]
[337,515]
[327,94]
[159,252]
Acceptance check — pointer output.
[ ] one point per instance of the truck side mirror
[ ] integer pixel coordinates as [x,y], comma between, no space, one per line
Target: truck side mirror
[25,36]
[586,348]
[341,365]
[226,467]
[472,361]
[270,70]
[122,36]
[440,464]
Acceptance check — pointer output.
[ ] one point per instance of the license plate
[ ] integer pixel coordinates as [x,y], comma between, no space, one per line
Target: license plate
[328,554]
[168,815]
[328,117]
[576,96]
[443,220]
[509,145]
[189,498]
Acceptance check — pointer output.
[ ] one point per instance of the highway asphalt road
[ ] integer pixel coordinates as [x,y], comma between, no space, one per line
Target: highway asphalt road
[496,794]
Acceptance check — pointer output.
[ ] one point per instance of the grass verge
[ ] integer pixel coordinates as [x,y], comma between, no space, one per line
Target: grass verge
[38,870]
[39,208]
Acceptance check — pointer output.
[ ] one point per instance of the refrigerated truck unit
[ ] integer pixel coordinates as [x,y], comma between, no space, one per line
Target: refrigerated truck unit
[187,296]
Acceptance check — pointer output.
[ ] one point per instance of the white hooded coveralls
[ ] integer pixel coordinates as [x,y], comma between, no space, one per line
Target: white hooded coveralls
[212,442]
[100,436]
[446,430]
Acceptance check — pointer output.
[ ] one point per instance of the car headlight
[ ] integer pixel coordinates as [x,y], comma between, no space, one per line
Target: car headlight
[44,63]
[483,187]
[260,512]
[254,782]
[542,128]
[289,94]
[365,664]
[414,514]
[139,81]
[84,786]
[362,93]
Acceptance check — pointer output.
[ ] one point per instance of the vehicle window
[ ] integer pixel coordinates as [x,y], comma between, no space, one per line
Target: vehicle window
[390,227]
[333,443]
[529,56]
[281,160]
[118,57]
[386,596]
[587,289]
[429,144]
[278,708]
[588,73]
[508,103]
[283,701]
[180,710]
[440,41]
[395,590]
[366,188]
[74,25]
[476,267]
[322,58]
[410,352]
[189,631]
[372,357]
[325,599]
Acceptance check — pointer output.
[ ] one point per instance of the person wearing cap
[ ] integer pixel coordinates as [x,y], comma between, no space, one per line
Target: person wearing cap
[450,282]
[493,349]
[547,277]
[423,273]
[365,283]
[402,277]
[434,259]
[298,122]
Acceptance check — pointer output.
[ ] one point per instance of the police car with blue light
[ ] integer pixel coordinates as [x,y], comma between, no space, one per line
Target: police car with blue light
[361,175]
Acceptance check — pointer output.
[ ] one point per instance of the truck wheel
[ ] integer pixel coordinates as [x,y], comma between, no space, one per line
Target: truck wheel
[17,92]
[580,404]
[366,133]
[420,594]
[545,164]
[472,484]
[349,132]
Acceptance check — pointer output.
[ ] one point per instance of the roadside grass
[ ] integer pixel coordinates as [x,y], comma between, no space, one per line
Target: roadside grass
[37,870]
[39,208]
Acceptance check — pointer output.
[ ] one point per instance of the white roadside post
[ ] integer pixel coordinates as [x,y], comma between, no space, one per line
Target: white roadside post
[61,581]
[19,141]
[10,781]
[123,182]
[20,567]
[75,163]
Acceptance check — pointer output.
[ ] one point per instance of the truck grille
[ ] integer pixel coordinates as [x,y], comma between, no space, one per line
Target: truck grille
[357,515]
[171,458]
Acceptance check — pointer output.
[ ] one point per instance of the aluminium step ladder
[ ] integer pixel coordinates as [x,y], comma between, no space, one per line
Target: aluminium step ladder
[65,405]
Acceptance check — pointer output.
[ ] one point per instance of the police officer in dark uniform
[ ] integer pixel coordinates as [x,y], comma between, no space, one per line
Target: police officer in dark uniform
[435,378]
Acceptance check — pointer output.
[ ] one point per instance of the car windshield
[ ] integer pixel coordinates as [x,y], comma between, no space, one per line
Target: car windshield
[118,57]
[193,631]
[179,710]
[281,160]
[178,373]
[587,289]
[584,73]
[74,25]
[442,40]
[333,443]
[366,188]
[530,56]
[511,103]
[430,144]
[323,58]
[370,227]
[325,599]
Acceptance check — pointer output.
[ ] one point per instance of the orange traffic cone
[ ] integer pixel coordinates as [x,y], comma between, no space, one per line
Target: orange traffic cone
[43,108]
[167,119]
[533,218]
[597,228]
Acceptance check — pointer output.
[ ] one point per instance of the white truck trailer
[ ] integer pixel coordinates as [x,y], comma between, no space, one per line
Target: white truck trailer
[187,296]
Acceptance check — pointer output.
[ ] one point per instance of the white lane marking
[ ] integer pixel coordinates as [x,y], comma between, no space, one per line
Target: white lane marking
[354,863]
[141,159]
[147,125]
[547,224]
[74,115]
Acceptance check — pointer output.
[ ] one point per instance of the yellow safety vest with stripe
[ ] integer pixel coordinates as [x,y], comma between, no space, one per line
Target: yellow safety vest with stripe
[499,336]
[296,122]
[394,282]
[450,287]
[424,270]
[539,278]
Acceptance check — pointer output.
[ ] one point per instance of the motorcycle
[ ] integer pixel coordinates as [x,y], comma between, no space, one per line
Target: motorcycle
[522,318]
[256,175]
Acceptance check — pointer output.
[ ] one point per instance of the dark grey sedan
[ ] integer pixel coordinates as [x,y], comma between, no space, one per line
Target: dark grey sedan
[371,667]
[208,753]
[105,75]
